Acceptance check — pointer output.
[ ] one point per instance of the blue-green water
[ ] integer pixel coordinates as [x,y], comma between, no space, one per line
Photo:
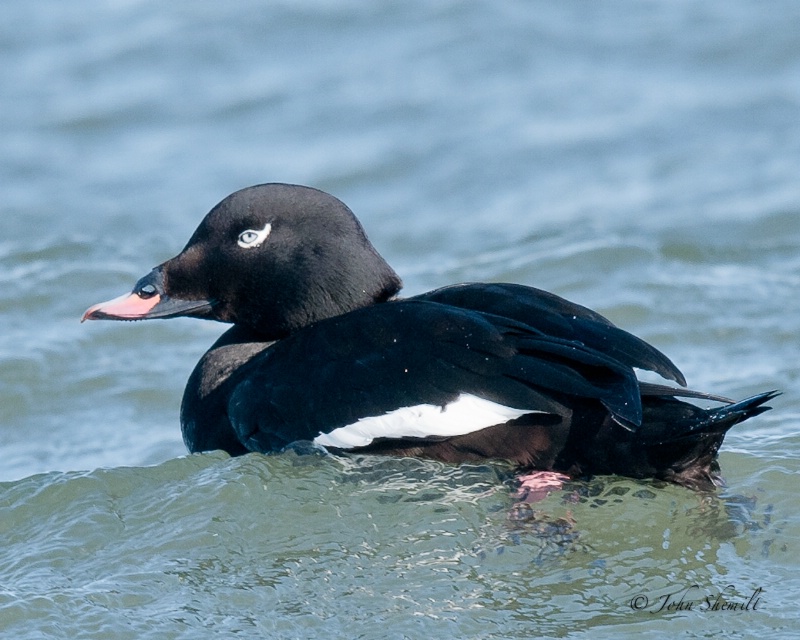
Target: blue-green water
[640,158]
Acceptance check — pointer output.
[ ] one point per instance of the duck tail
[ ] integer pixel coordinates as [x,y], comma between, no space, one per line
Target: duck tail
[733,414]
[681,441]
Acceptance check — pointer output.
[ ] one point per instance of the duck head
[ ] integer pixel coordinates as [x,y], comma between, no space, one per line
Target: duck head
[273,257]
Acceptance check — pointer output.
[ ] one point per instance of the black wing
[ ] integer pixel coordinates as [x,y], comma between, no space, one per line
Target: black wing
[557,317]
[407,353]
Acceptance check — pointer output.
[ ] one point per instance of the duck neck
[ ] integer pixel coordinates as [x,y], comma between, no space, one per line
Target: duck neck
[204,412]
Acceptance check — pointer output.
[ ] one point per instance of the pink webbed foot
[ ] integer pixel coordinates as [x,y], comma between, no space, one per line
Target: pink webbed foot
[537,485]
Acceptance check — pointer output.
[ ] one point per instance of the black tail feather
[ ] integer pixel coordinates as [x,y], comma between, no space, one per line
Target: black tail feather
[739,411]
[670,420]
[689,457]
[677,441]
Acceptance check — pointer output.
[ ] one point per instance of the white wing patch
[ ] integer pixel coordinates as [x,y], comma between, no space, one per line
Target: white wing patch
[466,414]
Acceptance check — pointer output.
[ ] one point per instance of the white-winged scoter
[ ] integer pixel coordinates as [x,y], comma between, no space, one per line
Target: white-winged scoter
[321,349]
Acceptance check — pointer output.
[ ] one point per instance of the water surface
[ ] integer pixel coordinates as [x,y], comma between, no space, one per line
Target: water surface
[639,158]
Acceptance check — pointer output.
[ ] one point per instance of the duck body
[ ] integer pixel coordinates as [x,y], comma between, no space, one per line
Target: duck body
[323,350]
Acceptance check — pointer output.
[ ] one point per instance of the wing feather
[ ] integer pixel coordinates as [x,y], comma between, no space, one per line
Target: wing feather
[557,317]
[381,359]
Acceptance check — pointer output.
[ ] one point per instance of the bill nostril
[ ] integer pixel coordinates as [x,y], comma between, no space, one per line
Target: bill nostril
[146,291]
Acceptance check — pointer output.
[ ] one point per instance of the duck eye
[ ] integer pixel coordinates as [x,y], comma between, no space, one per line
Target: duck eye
[253,237]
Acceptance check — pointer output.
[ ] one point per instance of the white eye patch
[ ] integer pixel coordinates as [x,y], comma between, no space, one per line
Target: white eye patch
[253,238]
